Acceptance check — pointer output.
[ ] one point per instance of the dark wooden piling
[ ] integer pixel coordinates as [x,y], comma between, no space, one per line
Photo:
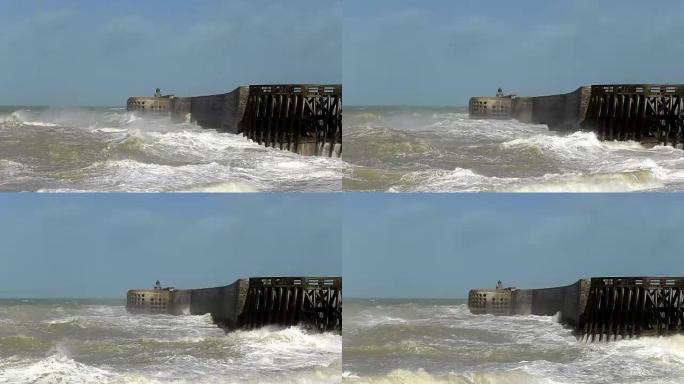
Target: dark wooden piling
[313,302]
[626,307]
[305,119]
[642,112]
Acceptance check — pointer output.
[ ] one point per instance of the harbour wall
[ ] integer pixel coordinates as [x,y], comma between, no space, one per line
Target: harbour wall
[600,308]
[563,112]
[225,304]
[222,112]
[652,114]
[305,119]
[315,302]
[569,301]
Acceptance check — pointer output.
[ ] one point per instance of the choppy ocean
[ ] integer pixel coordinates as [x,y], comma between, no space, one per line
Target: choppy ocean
[439,341]
[91,341]
[110,149]
[442,150]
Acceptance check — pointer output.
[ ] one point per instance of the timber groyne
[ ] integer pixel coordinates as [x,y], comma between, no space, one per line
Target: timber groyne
[314,302]
[302,118]
[648,113]
[598,309]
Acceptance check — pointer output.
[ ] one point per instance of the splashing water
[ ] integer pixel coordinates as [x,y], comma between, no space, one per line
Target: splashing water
[440,150]
[52,341]
[439,341]
[109,149]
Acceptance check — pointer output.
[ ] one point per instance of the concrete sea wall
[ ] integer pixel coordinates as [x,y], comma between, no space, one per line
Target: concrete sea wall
[563,112]
[600,308]
[569,301]
[251,303]
[222,112]
[225,304]
[301,118]
[648,113]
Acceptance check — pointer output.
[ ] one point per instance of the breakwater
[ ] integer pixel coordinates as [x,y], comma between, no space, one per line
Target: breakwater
[648,113]
[315,302]
[600,308]
[302,118]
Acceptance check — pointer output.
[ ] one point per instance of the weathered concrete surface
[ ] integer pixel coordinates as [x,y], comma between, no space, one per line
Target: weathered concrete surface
[485,107]
[560,112]
[179,109]
[225,304]
[569,301]
[155,105]
[222,112]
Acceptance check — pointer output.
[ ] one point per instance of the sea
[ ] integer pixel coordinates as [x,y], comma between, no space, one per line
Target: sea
[439,341]
[109,149]
[412,149]
[97,341]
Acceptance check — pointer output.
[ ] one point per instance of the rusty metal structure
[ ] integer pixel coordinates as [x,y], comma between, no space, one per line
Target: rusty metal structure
[640,112]
[316,302]
[294,116]
[626,307]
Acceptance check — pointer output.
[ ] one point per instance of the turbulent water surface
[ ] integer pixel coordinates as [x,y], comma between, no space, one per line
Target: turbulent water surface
[109,149]
[438,341]
[440,149]
[59,341]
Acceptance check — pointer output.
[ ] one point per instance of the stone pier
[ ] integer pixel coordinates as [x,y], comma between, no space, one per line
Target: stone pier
[315,302]
[648,113]
[600,308]
[302,118]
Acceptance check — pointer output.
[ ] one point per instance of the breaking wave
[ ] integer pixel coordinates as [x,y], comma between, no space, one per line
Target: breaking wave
[405,150]
[427,342]
[75,343]
[107,149]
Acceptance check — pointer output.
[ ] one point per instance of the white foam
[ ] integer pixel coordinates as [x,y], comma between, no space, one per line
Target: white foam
[421,376]
[221,187]
[639,178]
[10,168]
[108,130]
[56,368]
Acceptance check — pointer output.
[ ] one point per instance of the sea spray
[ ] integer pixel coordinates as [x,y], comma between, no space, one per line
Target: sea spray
[109,149]
[440,149]
[47,341]
[439,341]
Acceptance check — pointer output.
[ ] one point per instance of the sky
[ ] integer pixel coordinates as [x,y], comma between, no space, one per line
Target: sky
[442,245]
[83,52]
[441,52]
[100,245]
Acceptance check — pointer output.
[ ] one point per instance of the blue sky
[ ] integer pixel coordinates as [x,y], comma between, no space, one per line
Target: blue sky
[82,52]
[442,245]
[101,245]
[441,52]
